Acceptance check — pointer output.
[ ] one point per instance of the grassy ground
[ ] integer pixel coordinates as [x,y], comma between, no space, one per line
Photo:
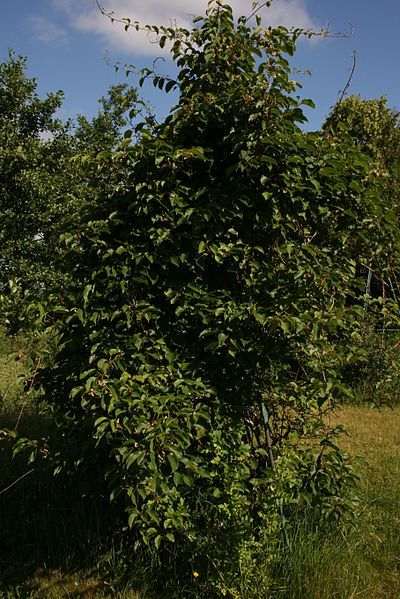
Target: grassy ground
[375,434]
[10,388]
[50,539]
[365,564]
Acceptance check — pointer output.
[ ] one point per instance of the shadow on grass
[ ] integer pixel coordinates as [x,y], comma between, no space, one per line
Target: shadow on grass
[45,521]
[59,538]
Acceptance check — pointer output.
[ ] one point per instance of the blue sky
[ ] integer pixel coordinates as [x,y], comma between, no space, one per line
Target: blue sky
[66,42]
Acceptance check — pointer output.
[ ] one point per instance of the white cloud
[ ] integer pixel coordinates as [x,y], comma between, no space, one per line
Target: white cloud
[86,16]
[47,31]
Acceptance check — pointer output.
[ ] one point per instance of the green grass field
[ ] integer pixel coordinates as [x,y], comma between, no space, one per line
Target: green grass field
[366,563]
[51,541]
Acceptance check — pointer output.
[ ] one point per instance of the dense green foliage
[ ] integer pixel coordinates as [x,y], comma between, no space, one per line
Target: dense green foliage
[213,299]
[56,543]
[374,128]
[47,175]
[27,165]
[219,281]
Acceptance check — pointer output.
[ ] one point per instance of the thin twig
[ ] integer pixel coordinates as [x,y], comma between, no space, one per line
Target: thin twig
[346,87]
[258,8]
[324,32]
[124,21]
[128,24]
[16,481]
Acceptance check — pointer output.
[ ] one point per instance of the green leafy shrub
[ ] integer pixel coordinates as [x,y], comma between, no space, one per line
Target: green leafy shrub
[374,128]
[198,344]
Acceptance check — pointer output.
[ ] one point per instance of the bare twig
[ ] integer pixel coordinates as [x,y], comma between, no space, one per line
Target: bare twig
[353,68]
[16,481]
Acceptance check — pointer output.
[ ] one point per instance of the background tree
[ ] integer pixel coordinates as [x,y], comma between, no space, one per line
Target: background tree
[26,163]
[48,174]
[374,127]
[372,124]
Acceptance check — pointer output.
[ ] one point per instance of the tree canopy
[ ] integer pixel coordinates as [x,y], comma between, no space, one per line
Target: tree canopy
[375,129]
[218,283]
[47,176]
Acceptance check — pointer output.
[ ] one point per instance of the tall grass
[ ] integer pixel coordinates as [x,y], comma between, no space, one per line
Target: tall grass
[11,388]
[366,562]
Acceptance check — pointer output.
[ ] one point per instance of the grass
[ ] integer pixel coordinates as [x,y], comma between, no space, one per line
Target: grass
[366,563]
[375,434]
[54,584]
[56,544]
[11,389]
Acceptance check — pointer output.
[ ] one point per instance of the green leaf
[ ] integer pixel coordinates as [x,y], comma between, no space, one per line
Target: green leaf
[170,85]
[158,541]
[173,462]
